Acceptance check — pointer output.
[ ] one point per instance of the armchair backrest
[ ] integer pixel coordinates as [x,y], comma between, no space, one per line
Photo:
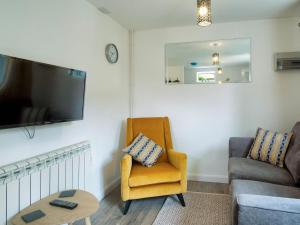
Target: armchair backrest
[156,128]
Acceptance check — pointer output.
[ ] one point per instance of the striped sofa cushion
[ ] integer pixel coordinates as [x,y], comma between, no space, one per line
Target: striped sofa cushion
[270,147]
[144,150]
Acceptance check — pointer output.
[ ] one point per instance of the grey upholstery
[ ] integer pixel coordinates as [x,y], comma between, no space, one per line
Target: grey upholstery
[291,205]
[249,169]
[250,178]
[239,146]
[262,188]
[292,159]
[267,210]
[258,188]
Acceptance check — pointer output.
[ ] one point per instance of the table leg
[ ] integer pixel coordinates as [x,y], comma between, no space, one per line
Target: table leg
[88,221]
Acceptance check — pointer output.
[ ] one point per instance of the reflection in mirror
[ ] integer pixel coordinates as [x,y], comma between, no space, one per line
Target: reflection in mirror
[212,62]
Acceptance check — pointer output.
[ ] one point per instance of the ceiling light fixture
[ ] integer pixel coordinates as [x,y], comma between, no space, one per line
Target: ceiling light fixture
[216,59]
[216,44]
[204,13]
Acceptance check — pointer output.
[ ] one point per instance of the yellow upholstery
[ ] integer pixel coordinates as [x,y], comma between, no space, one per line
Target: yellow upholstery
[155,190]
[167,177]
[160,173]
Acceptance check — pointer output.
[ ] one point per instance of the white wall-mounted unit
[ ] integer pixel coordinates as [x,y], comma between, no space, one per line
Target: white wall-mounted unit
[287,61]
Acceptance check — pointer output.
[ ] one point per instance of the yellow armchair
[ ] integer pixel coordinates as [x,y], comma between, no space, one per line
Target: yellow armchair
[167,177]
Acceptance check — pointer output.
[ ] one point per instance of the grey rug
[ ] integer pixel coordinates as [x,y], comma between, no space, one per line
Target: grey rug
[201,209]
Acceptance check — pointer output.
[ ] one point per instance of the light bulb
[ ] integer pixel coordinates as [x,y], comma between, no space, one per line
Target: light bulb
[203,11]
[220,71]
[216,59]
[204,23]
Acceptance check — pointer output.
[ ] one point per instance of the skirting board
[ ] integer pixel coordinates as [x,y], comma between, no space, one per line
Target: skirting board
[109,188]
[208,178]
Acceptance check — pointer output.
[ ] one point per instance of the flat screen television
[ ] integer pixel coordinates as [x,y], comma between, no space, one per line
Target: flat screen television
[34,93]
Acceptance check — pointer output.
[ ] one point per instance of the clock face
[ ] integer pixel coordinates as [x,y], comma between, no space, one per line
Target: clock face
[111,53]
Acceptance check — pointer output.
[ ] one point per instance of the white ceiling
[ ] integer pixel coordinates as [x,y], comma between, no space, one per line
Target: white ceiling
[147,14]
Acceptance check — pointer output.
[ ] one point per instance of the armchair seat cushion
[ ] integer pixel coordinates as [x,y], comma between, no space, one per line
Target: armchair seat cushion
[162,172]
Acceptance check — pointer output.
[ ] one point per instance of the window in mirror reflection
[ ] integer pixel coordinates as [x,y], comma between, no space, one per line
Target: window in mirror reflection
[206,77]
[211,62]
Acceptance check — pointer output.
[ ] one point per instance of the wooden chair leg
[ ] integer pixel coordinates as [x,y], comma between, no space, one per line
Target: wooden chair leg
[181,199]
[127,205]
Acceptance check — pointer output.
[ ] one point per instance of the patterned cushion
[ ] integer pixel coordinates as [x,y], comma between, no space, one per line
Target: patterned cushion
[144,150]
[270,147]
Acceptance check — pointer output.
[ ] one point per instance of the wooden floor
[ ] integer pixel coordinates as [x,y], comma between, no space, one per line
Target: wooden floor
[143,212]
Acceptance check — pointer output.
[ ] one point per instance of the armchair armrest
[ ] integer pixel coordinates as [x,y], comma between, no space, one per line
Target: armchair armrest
[179,160]
[126,165]
[240,146]
[267,210]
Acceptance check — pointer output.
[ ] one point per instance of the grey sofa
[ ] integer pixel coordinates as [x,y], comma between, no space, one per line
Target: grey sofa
[263,194]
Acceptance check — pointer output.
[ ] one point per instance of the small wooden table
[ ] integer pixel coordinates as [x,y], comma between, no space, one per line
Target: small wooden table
[87,205]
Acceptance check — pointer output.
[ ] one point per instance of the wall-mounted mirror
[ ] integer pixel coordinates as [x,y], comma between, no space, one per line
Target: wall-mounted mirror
[211,62]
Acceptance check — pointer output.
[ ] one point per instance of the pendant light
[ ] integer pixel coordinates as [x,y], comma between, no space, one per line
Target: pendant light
[204,13]
[220,71]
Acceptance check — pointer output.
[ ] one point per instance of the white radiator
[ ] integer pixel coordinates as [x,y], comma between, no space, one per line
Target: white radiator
[25,182]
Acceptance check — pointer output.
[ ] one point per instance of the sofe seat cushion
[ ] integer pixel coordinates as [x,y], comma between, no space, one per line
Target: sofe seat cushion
[249,169]
[262,188]
[270,147]
[261,209]
[160,173]
[259,188]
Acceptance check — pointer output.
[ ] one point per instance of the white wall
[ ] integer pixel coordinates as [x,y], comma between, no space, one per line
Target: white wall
[203,117]
[71,33]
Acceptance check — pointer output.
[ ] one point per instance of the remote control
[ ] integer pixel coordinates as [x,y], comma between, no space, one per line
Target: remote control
[63,204]
[68,193]
[30,217]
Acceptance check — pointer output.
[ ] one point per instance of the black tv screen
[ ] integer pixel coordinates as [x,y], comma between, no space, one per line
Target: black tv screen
[33,93]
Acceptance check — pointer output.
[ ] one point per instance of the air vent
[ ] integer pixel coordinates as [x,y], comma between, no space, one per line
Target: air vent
[287,61]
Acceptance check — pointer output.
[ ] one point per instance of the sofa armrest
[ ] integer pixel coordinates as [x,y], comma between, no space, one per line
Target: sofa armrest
[267,210]
[179,160]
[240,146]
[126,165]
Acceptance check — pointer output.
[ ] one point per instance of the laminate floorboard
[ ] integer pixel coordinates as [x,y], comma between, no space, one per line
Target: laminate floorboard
[142,212]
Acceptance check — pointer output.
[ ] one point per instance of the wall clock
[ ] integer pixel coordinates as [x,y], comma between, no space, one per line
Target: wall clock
[111,53]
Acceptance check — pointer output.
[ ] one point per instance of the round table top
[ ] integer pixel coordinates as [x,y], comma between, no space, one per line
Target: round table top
[87,205]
